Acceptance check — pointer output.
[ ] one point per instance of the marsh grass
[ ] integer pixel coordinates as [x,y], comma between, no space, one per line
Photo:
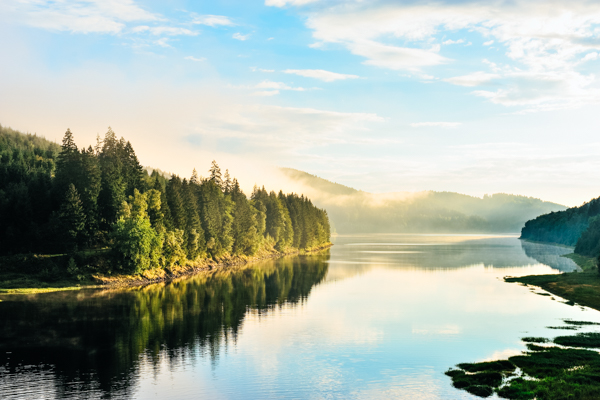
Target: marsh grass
[547,373]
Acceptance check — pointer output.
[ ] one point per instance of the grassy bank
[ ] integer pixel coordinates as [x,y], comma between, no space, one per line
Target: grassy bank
[578,287]
[49,277]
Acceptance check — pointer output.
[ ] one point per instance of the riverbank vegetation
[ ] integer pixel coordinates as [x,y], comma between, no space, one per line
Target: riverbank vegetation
[546,372]
[577,226]
[123,329]
[67,214]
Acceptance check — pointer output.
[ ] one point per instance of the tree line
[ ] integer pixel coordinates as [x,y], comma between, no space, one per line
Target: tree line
[576,226]
[66,199]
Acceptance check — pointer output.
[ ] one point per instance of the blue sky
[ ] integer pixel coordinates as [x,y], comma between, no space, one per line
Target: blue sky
[466,96]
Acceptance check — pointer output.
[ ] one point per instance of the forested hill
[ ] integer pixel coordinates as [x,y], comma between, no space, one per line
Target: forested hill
[57,199]
[353,211]
[577,226]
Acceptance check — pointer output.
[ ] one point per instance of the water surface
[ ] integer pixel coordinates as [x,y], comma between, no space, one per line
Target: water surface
[378,316]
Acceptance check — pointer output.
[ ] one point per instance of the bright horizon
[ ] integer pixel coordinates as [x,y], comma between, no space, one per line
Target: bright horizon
[469,97]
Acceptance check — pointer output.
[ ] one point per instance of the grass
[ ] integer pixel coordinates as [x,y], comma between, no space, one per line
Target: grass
[587,264]
[548,373]
[14,283]
[578,287]
[591,339]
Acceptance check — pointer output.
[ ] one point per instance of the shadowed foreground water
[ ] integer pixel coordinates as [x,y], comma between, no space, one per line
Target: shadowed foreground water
[378,316]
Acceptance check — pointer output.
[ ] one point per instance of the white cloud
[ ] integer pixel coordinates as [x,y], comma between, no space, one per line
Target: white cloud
[393,57]
[436,124]
[590,56]
[321,74]
[459,41]
[265,93]
[241,37]
[79,16]
[277,86]
[192,58]
[283,3]
[474,79]
[212,20]
[254,69]
[545,41]
[163,30]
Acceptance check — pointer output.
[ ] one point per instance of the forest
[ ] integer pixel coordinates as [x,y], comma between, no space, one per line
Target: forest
[100,200]
[576,226]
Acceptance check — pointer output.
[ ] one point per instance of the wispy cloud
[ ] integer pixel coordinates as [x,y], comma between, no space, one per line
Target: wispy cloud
[254,69]
[474,79]
[241,37]
[326,76]
[459,41]
[164,30]
[436,124]
[544,42]
[80,16]
[192,58]
[212,20]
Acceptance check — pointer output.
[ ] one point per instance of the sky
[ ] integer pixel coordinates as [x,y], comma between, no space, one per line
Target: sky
[473,97]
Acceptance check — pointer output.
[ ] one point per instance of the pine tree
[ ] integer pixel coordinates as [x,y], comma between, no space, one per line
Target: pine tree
[72,218]
[175,201]
[195,179]
[112,192]
[215,174]
[67,165]
[193,233]
[227,185]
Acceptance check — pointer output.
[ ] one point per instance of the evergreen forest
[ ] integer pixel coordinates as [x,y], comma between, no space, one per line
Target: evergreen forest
[576,226]
[101,201]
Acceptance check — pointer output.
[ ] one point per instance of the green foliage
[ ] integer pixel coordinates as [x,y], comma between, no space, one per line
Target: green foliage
[101,196]
[72,219]
[136,246]
[589,242]
[565,227]
[559,374]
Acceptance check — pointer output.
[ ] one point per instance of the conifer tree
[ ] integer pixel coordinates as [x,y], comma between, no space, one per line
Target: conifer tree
[227,184]
[215,174]
[112,192]
[72,218]
[193,232]
[175,201]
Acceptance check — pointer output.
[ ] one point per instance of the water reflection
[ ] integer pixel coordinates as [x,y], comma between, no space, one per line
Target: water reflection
[89,343]
[550,255]
[356,254]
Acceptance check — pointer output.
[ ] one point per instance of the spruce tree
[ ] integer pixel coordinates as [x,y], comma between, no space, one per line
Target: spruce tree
[72,218]
[215,174]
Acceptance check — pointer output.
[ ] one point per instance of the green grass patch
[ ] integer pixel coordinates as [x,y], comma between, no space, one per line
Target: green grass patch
[566,328]
[535,339]
[577,287]
[591,339]
[587,264]
[580,323]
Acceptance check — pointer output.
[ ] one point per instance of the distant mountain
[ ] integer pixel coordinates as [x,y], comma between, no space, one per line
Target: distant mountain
[354,211]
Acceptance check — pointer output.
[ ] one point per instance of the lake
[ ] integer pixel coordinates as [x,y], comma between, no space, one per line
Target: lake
[376,316]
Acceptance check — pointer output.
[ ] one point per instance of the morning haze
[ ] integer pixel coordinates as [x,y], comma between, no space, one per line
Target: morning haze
[300,199]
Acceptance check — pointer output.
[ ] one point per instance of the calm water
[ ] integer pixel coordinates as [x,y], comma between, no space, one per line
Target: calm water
[379,316]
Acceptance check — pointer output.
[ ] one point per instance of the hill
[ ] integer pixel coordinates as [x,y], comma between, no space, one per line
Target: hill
[576,226]
[354,211]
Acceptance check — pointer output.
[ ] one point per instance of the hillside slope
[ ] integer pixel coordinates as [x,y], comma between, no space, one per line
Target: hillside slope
[354,211]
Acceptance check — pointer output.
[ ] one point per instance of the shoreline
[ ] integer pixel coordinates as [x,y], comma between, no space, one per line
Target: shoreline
[160,275]
[582,288]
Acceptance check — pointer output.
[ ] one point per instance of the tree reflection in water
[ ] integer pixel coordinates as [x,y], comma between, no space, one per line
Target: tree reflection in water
[94,341]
